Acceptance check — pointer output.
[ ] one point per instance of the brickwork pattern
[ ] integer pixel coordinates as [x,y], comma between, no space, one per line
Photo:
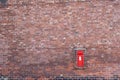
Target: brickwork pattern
[37,37]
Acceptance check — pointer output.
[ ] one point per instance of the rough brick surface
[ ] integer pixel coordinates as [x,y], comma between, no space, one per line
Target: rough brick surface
[37,37]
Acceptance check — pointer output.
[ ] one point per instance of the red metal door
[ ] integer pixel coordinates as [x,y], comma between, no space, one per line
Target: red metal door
[80,58]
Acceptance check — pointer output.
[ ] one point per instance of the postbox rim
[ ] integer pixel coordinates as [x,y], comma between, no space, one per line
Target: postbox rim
[84,49]
[79,53]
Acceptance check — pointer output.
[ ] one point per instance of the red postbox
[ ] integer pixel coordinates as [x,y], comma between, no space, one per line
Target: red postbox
[80,58]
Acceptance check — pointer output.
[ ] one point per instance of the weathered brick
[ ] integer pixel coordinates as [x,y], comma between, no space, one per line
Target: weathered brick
[38,36]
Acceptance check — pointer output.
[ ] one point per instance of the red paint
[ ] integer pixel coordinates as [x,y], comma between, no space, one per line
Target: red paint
[80,58]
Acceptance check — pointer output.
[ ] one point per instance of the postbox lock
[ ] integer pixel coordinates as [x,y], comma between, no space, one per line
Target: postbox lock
[79,58]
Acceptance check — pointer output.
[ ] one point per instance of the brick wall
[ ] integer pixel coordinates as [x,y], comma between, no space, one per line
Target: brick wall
[37,37]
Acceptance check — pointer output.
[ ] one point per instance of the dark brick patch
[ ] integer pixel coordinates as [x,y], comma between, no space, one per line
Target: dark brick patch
[115,77]
[3,2]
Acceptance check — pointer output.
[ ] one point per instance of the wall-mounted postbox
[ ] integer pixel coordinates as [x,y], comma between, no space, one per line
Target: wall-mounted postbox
[79,57]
